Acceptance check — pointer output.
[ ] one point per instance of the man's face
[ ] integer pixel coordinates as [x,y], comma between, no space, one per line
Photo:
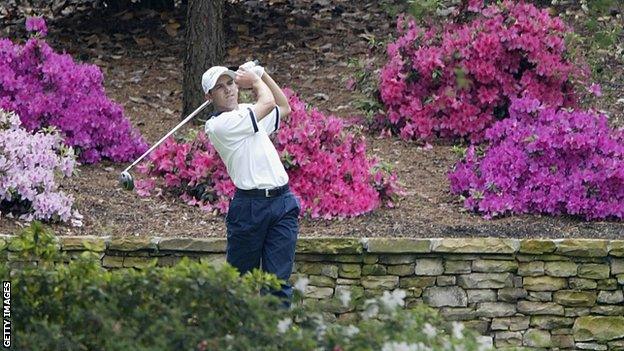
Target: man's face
[224,95]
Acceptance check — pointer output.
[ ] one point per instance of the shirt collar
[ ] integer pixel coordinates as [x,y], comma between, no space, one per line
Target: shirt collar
[214,114]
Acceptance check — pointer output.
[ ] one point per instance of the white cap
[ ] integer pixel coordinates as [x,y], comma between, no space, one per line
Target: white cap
[210,77]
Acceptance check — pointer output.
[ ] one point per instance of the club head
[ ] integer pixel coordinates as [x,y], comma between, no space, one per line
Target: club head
[126,181]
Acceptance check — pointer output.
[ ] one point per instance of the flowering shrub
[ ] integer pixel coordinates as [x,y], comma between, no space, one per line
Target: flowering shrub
[381,323]
[455,82]
[28,165]
[543,160]
[328,168]
[49,89]
[191,170]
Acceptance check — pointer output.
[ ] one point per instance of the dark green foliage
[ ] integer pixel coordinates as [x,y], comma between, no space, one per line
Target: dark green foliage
[81,306]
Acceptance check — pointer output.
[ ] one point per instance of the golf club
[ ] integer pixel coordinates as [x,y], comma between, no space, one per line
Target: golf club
[125,178]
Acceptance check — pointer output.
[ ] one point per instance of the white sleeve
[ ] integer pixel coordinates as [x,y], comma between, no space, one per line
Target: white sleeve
[234,126]
[270,123]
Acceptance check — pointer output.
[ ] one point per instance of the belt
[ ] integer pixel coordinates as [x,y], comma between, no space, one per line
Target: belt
[263,192]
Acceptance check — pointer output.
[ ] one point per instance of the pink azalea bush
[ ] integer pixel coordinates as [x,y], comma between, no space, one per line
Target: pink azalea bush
[29,165]
[328,168]
[191,170]
[545,160]
[46,88]
[457,81]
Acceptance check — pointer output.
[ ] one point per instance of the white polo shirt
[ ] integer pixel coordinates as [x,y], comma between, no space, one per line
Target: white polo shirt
[244,146]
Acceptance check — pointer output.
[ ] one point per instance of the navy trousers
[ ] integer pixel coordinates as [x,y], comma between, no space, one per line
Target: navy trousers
[262,233]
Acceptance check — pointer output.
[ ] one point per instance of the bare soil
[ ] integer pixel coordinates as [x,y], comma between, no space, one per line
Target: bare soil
[306,45]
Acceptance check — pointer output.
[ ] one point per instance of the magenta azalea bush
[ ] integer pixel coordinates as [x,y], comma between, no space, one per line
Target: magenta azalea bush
[49,89]
[545,160]
[457,81]
[328,168]
[29,165]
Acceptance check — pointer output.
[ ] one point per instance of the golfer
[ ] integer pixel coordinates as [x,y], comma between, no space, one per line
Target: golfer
[262,220]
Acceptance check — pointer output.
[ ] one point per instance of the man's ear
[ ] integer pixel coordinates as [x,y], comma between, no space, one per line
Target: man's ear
[208,97]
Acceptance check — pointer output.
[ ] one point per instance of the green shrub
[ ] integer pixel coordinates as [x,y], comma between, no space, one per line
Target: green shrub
[63,304]
[82,306]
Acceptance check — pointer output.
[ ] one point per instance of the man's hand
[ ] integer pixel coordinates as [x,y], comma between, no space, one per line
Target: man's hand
[248,65]
[245,78]
[278,96]
[253,67]
[258,70]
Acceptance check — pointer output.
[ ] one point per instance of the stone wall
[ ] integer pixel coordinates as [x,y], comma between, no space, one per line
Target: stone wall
[533,293]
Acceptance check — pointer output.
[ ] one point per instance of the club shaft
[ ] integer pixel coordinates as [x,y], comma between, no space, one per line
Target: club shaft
[168,135]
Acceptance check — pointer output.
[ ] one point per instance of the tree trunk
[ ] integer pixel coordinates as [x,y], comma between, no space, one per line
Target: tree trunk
[204,48]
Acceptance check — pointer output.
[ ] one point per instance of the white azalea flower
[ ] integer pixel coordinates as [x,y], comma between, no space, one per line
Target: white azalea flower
[321,328]
[485,343]
[430,330]
[284,324]
[351,330]
[345,297]
[458,330]
[399,346]
[371,311]
[394,299]
[301,284]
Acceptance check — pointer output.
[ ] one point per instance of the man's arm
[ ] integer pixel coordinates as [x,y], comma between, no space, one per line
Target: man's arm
[266,101]
[278,95]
